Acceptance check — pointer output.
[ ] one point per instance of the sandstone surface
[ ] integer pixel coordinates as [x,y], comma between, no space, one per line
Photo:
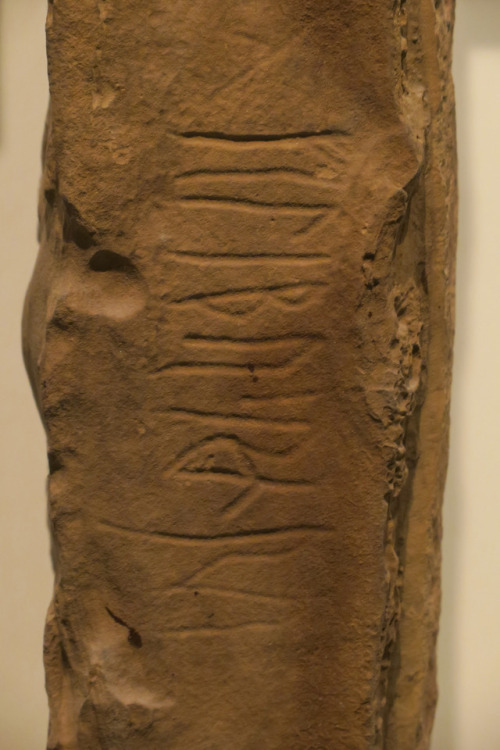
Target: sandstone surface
[239,337]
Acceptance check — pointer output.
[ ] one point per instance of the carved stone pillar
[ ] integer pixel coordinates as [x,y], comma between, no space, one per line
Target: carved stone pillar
[239,337]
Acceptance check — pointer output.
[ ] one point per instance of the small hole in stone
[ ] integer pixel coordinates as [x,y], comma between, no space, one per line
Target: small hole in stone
[134,638]
[107,260]
[55,462]
[50,197]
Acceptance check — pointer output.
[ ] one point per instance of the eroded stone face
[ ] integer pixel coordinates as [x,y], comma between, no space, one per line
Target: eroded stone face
[238,333]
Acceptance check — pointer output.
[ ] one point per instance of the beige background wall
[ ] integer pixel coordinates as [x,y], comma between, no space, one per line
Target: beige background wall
[469,654]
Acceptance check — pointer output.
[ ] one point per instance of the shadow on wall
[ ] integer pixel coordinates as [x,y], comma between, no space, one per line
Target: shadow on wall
[25,575]
[477,30]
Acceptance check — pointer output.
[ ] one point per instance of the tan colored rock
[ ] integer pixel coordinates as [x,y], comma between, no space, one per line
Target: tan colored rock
[239,336]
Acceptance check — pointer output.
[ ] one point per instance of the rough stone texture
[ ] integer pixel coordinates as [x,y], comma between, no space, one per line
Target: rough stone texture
[239,337]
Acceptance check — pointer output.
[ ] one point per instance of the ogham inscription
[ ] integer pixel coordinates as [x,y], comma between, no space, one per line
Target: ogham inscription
[238,334]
